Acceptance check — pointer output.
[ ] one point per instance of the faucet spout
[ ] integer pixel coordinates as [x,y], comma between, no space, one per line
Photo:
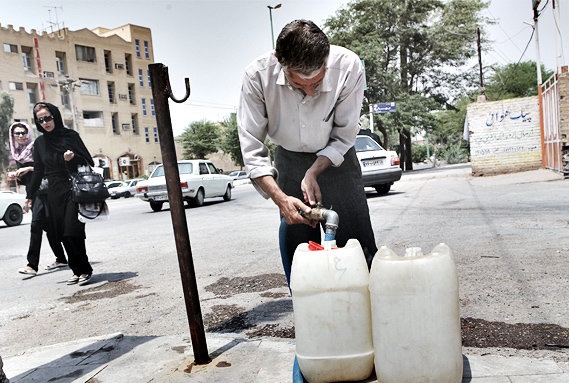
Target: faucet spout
[329,217]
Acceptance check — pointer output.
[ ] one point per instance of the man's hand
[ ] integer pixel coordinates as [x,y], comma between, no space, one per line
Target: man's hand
[309,184]
[310,189]
[290,207]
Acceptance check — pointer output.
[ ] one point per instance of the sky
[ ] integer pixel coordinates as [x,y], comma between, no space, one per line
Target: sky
[211,41]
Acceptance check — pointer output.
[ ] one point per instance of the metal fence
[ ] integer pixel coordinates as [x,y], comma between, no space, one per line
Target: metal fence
[551,128]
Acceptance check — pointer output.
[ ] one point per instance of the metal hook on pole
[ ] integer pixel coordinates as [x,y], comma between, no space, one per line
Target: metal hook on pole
[169,89]
[161,91]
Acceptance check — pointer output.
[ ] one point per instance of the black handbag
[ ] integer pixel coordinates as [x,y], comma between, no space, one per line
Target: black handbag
[88,186]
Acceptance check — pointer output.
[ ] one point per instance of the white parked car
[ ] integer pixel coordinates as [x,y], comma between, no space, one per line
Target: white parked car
[380,167]
[240,177]
[113,184]
[12,207]
[199,179]
[126,189]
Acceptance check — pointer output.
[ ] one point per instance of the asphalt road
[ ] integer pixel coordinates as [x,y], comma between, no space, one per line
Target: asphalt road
[509,235]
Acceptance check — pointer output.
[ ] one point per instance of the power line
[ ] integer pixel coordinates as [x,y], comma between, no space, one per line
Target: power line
[205,104]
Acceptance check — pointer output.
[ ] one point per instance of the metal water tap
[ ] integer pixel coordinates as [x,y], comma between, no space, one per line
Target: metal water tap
[328,216]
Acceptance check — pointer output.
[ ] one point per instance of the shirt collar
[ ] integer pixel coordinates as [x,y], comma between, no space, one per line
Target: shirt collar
[325,86]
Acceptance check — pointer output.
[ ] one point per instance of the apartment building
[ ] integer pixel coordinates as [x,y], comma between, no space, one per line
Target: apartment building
[100,81]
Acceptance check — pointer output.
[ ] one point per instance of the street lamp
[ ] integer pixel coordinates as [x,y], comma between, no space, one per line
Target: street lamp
[271,17]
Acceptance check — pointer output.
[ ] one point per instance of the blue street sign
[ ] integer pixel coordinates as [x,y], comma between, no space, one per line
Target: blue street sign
[384,107]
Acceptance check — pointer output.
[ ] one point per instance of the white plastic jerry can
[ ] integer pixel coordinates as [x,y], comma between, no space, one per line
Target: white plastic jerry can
[332,313]
[415,314]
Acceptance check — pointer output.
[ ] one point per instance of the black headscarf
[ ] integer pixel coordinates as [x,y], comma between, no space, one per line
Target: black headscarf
[61,138]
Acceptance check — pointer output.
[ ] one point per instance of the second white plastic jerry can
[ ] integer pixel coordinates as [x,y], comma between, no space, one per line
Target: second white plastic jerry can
[415,314]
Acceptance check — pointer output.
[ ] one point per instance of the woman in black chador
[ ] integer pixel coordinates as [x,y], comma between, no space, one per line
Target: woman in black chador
[57,154]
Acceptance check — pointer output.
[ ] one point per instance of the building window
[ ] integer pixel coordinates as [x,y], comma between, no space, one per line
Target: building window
[134,123]
[137,47]
[149,80]
[108,62]
[60,62]
[32,90]
[140,78]
[152,107]
[111,91]
[10,48]
[146,135]
[86,54]
[93,119]
[15,85]
[27,62]
[155,134]
[115,123]
[89,87]
[27,58]
[131,94]
[65,99]
[128,64]
[146,52]
[143,102]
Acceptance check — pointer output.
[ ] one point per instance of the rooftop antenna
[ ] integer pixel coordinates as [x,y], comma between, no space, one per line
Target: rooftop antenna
[55,24]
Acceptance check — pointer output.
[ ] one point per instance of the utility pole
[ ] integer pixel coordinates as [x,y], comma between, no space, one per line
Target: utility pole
[482,90]
[68,86]
[559,59]
[535,4]
[535,26]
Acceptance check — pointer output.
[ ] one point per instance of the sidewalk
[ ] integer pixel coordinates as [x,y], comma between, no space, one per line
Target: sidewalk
[116,359]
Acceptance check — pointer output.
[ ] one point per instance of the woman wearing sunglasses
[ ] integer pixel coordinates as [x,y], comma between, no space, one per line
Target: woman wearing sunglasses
[58,152]
[21,150]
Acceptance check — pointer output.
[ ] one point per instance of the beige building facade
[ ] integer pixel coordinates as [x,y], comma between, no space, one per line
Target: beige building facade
[100,81]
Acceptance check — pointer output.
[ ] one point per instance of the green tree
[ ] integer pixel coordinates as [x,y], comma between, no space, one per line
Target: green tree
[229,141]
[450,130]
[199,139]
[514,80]
[413,50]
[6,114]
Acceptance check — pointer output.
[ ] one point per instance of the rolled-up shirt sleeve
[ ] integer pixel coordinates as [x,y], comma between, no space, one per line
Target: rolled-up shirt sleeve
[252,123]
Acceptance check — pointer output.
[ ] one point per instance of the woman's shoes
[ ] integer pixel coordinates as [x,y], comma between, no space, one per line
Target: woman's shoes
[55,265]
[84,279]
[27,270]
[73,280]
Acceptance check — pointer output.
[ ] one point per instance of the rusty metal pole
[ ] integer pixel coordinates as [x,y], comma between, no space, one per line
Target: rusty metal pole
[161,91]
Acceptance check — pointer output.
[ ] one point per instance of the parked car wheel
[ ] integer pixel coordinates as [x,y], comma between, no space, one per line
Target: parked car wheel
[227,195]
[198,199]
[127,194]
[382,189]
[13,215]
[156,206]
